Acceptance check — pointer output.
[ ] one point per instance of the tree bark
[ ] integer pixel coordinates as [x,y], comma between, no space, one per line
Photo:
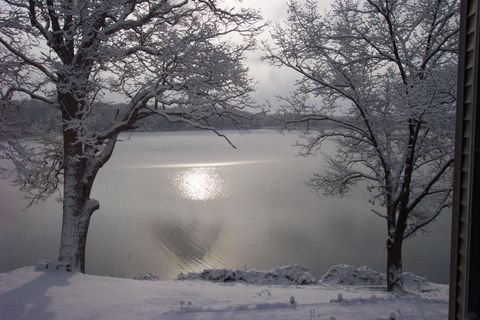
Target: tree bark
[77,211]
[81,163]
[394,266]
[74,238]
[77,205]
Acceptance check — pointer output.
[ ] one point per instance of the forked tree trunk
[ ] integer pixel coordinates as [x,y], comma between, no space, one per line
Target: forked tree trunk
[394,266]
[81,165]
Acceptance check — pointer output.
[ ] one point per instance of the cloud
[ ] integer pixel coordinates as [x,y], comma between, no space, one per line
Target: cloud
[271,81]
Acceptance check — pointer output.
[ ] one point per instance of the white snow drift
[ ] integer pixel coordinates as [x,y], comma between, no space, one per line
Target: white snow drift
[58,295]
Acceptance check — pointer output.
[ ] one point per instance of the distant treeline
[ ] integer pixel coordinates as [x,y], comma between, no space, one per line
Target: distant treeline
[33,115]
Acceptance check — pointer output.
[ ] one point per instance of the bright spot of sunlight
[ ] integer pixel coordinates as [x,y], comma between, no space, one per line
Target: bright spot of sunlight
[199,183]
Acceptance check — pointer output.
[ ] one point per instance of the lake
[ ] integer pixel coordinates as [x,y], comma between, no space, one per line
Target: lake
[174,202]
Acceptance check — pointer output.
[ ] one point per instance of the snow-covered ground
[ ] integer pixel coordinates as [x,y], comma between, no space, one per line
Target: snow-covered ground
[343,293]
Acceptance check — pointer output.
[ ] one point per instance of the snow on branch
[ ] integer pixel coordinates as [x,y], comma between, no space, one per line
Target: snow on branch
[175,59]
[377,78]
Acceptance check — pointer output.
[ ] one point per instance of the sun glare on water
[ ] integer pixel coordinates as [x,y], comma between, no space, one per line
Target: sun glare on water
[199,183]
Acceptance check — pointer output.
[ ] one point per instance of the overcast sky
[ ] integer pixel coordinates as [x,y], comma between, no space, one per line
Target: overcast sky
[271,81]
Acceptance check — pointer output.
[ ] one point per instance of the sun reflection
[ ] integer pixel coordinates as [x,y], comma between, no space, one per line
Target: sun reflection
[199,183]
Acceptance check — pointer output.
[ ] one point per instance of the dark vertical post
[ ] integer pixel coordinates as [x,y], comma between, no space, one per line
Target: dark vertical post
[465,255]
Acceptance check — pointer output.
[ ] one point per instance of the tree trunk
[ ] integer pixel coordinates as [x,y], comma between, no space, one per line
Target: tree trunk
[74,237]
[77,211]
[394,266]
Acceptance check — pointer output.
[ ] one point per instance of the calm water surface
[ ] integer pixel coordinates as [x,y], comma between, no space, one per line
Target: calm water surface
[183,201]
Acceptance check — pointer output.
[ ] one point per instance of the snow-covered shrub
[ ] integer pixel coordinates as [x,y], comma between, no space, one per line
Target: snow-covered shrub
[343,274]
[349,275]
[296,274]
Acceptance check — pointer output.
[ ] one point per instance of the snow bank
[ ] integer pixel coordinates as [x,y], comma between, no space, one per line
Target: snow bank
[295,274]
[54,294]
[343,274]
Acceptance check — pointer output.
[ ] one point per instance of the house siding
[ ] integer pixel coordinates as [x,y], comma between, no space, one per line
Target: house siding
[465,169]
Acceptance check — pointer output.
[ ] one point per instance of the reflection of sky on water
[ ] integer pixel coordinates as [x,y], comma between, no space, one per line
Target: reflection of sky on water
[193,165]
[191,241]
[182,202]
[201,183]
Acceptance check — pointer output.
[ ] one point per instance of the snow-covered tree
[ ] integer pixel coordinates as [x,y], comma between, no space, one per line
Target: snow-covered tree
[175,59]
[381,77]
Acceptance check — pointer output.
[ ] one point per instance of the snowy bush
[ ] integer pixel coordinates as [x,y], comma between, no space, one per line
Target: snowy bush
[365,276]
[296,274]
[349,275]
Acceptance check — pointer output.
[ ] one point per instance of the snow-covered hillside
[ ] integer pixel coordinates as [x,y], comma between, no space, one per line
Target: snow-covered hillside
[40,295]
